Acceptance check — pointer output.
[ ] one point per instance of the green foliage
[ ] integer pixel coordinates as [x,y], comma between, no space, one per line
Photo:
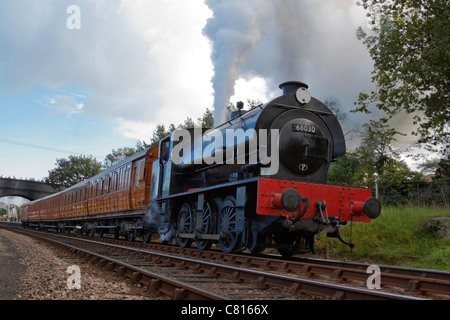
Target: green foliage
[160,133]
[399,236]
[121,154]
[206,121]
[346,171]
[373,161]
[73,170]
[411,53]
[443,169]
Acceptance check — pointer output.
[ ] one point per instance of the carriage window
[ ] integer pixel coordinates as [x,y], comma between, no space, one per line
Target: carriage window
[138,173]
[116,174]
[128,176]
[122,178]
[142,170]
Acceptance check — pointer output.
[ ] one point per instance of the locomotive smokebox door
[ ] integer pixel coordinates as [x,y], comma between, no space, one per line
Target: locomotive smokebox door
[303,147]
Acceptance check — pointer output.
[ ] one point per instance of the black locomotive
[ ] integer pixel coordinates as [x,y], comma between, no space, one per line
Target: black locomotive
[257,180]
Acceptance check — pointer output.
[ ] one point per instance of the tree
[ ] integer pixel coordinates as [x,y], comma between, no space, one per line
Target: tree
[344,171]
[207,121]
[397,183]
[188,124]
[410,47]
[69,172]
[374,161]
[3,214]
[121,154]
[159,133]
[443,169]
[376,146]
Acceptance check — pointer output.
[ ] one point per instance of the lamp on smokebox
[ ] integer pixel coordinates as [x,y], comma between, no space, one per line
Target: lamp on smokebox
[238,112]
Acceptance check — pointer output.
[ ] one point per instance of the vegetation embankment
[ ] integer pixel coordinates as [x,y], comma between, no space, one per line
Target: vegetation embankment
[400,236]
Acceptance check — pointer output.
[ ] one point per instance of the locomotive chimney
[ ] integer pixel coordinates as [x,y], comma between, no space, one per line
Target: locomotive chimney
[298,89]
[290,87]
[238,112]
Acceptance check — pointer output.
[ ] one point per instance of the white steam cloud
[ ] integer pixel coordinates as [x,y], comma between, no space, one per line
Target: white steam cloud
[307,40]
[235,31]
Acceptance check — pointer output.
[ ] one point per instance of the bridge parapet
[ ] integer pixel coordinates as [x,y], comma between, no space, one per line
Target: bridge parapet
[27,189]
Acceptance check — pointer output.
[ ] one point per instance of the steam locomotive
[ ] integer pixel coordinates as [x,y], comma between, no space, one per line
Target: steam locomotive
[256,181]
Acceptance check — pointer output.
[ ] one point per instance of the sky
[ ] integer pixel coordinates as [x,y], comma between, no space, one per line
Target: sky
[101,77]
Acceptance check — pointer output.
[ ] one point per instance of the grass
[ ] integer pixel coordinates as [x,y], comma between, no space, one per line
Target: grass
[400,236]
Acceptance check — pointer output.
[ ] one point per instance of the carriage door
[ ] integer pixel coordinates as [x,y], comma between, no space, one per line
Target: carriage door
[136,184]
[165,166]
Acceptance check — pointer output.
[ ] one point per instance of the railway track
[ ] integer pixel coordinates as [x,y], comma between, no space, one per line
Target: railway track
[421,282]
[181,277]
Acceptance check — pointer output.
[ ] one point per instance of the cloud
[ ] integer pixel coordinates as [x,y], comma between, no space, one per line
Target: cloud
[140,63]
[65,105]
[134,59]
[135,129]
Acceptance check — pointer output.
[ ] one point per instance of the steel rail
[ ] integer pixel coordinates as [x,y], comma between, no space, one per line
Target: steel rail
[417,281]
[155,283]
[259,278]
[411,280]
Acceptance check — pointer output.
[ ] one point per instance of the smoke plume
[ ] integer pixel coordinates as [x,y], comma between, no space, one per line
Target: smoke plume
[234,31]
[305,40]
[237,30]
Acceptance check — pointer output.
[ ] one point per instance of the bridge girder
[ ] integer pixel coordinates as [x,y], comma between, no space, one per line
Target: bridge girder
[31,190]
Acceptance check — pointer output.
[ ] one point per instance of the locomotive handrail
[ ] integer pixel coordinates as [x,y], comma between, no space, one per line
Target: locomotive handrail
[324,113]
[207,189]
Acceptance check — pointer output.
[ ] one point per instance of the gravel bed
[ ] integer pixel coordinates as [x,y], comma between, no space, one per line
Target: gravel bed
[10,269]
[31,270]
